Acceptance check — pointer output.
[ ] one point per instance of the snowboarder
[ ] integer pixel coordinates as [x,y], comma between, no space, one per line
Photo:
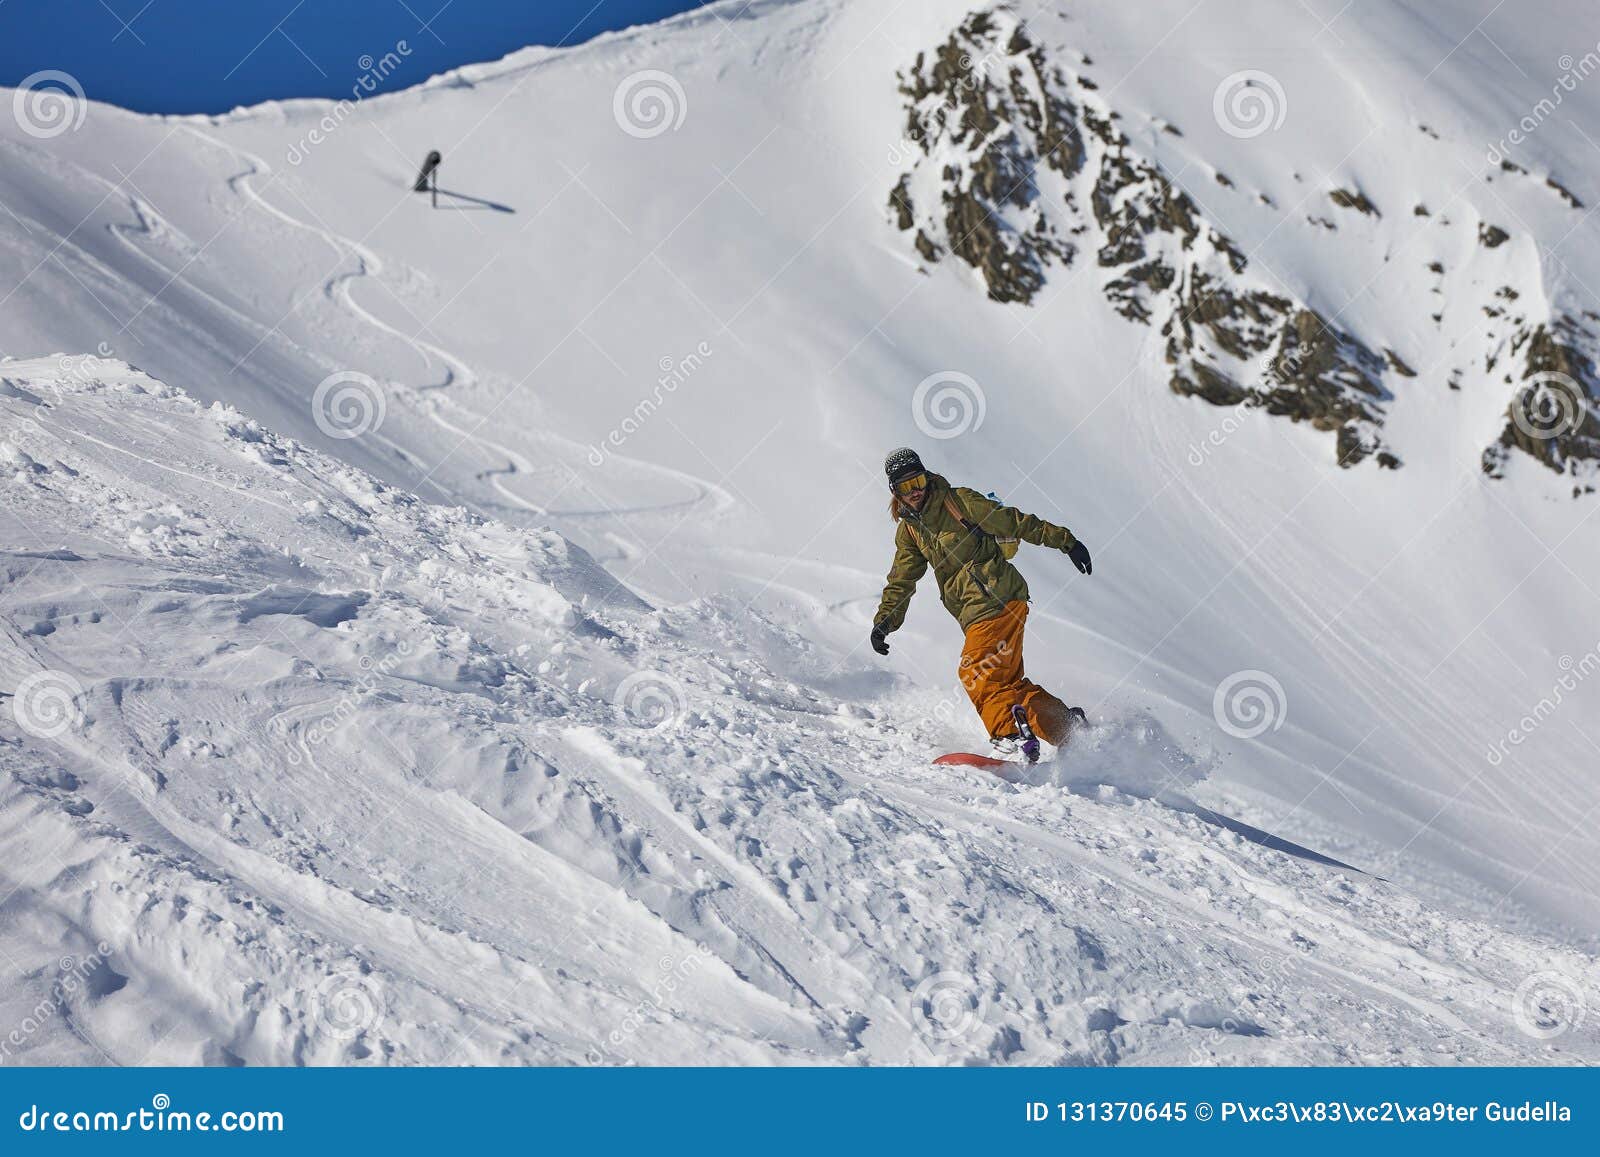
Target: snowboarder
[969,539]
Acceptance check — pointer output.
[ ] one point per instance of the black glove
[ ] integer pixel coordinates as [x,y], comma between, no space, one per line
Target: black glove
[879,643]
[1079,554]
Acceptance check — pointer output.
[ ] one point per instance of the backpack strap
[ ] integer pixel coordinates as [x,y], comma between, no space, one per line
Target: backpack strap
[953,509]
[957,513]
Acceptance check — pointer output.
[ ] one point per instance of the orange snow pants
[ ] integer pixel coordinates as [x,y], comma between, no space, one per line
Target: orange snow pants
[991,671]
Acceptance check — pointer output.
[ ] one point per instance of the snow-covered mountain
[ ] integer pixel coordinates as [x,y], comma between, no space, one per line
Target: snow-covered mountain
[447,645]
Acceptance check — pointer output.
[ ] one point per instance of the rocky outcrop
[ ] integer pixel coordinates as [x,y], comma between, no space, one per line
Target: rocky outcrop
[1017,162]
[988,98]
[1554,416]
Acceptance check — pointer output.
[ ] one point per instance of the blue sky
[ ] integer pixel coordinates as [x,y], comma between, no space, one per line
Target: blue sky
[184,56]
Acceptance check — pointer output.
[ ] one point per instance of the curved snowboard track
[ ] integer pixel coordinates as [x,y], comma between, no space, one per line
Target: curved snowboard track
[459,376]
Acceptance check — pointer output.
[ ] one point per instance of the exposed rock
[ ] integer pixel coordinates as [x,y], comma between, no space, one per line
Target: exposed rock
[1563,192]
[1397,364]
[1018,157]
[988,94]
[1491,236]
[1553,416]
[1354,199]
[900,203]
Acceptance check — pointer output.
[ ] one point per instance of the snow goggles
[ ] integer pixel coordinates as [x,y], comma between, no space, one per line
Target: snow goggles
[907,485]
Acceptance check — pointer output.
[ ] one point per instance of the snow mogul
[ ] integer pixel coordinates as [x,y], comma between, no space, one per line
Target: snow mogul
[969,540]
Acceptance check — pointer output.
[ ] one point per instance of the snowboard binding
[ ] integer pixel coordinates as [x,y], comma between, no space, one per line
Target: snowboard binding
[1028,742]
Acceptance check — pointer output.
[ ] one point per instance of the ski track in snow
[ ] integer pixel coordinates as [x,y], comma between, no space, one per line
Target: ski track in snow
[458,373]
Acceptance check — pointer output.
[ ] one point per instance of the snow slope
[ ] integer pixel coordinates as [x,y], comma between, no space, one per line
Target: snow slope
[643,414]
[316,772]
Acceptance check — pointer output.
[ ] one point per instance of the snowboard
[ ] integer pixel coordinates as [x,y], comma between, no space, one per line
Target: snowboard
[968,759]
[991,763]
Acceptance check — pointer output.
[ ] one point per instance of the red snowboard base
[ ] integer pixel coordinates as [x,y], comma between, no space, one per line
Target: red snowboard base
[1077,719]
[967,759]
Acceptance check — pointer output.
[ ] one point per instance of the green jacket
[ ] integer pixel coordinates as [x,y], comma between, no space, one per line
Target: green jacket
[975,578]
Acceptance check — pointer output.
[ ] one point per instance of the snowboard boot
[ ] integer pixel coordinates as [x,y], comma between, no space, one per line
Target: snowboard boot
[1005,747]
[1028,742]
